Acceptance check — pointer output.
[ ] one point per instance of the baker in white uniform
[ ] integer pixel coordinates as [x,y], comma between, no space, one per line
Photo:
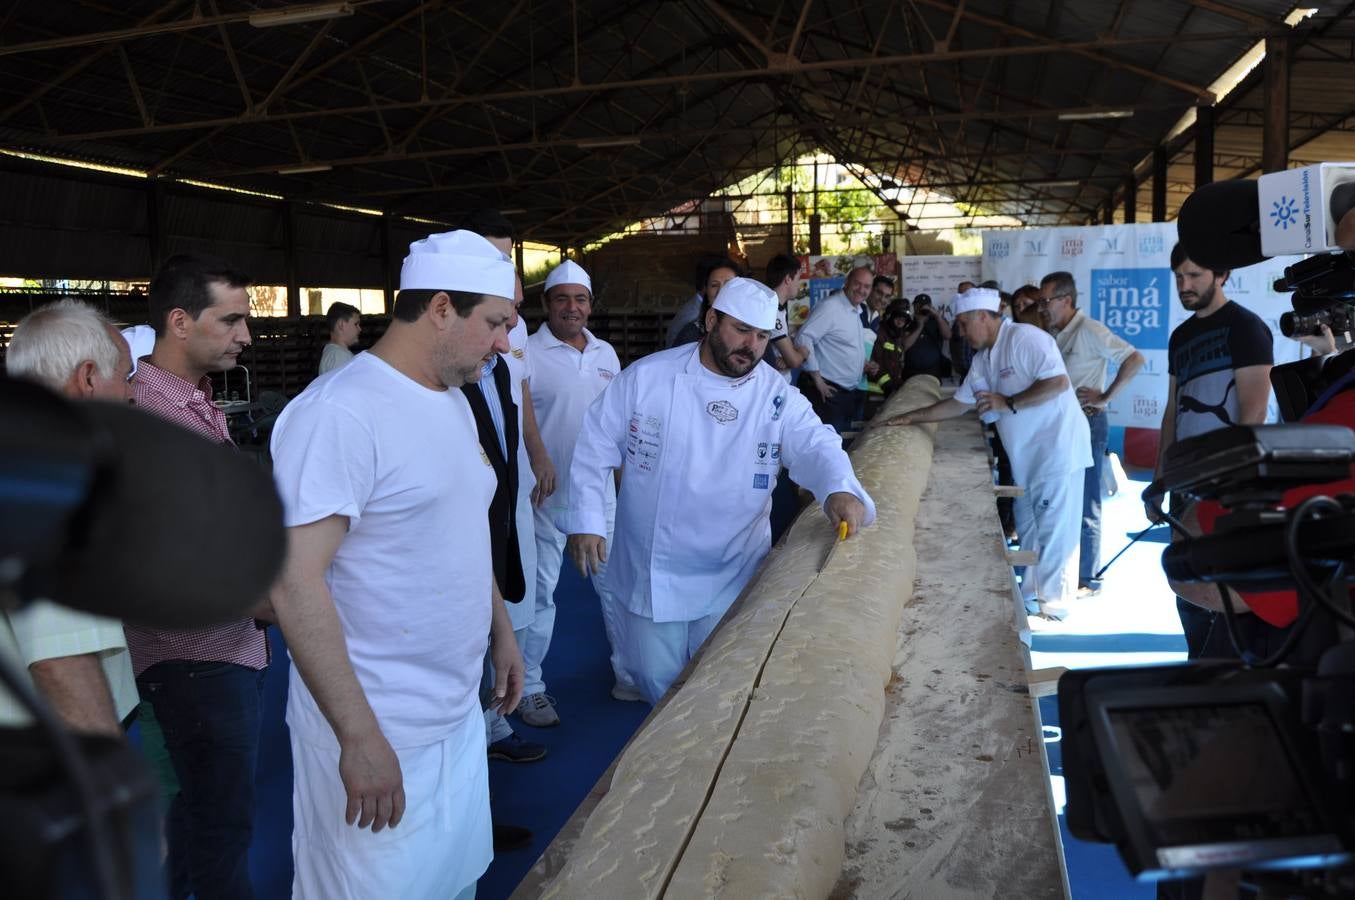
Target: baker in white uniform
[701,431]
[570,367]
[1018,375]
[388,595]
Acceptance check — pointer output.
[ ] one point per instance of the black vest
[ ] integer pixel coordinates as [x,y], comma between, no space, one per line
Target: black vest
[503,526]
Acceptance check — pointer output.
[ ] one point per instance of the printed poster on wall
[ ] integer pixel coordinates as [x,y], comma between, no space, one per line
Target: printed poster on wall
[1124,279]
[937,276]
[822,275]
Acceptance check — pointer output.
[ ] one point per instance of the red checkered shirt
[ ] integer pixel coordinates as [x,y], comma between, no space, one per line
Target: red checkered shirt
[171,397]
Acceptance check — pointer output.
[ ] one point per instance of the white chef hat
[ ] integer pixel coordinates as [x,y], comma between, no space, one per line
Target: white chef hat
[977,298]
[458,261]
[749,301]
[569,272]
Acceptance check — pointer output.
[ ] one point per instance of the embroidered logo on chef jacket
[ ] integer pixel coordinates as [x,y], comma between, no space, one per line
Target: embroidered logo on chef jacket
[777,402]
[1006,372]
[605,374]
[776,452]
[518,353]
[768,454]
[722,411]
[762,481]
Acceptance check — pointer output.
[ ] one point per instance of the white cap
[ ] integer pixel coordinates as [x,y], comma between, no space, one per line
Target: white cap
[749,301]
[458,261]
[977,298]
[569,272]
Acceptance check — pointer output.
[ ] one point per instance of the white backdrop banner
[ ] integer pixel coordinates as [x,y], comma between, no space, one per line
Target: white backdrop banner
[936,276]
[1124,279]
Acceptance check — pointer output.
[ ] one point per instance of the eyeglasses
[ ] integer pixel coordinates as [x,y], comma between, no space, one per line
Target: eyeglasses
[1045,301]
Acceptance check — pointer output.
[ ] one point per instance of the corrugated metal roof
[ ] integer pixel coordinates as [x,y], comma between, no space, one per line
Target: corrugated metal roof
[428,108]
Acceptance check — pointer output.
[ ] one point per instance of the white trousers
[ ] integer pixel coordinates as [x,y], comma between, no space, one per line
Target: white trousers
[440,848]
[534,640]
[1049,521]
[653,653]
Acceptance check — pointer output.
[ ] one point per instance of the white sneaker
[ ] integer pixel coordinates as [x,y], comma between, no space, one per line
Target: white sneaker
[538,710]
[625,693]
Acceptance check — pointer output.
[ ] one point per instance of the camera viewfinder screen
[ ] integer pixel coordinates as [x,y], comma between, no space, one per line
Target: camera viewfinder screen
[1211,774]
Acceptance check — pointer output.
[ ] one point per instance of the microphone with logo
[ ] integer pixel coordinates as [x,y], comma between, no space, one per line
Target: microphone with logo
[110,510]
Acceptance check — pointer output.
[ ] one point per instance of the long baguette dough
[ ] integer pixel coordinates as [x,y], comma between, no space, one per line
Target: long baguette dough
[741,785]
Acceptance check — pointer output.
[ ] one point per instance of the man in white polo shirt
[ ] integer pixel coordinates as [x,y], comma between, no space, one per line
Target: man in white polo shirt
[570,367]
[388,592]
[702,431]
[1018,375]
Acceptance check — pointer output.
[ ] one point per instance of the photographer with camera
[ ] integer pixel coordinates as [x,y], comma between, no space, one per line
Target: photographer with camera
[78,661]
[1219,369]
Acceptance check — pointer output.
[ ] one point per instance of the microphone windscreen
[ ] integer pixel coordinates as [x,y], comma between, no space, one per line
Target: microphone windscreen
[1220,225]
[174,530]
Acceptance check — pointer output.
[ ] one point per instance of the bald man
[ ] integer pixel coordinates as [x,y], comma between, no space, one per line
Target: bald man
[834,335]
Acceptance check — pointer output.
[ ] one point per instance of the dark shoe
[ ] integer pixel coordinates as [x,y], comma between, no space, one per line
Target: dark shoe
[1088,588]
[514,749]
[511,837]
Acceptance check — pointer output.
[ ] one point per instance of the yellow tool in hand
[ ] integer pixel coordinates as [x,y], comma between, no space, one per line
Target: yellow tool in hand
[841,536]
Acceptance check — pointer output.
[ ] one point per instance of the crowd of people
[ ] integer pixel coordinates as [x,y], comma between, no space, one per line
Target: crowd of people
[435,484]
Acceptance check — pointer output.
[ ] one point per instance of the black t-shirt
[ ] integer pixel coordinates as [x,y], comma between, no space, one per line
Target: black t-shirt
[924,357]
[1202,355]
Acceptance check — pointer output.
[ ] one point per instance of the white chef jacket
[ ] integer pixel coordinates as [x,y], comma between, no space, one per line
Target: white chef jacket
[701,454]
[564,382]
[1045,440]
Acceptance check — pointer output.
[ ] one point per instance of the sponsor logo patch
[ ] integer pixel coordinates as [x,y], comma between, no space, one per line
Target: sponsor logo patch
[722,411]
[761,482]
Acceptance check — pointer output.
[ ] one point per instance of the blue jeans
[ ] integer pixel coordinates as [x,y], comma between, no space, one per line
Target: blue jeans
[1090,558]
[209,714]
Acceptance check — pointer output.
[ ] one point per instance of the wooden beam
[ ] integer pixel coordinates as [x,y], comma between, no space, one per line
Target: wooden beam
[1204,145]
[1131,200]
[1159,184]
[289,258]
[1275,100]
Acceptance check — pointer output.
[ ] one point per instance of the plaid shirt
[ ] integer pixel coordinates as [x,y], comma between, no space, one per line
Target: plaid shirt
[171,397]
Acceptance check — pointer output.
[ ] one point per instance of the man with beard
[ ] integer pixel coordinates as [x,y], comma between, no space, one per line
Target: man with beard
[702,432]
[1219,363]
[388,595]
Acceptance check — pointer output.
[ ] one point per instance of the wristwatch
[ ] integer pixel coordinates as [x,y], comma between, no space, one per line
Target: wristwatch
[1011,403]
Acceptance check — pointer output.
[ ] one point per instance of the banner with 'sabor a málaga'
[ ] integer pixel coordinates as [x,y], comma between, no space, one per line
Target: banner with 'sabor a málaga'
[1124,279]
